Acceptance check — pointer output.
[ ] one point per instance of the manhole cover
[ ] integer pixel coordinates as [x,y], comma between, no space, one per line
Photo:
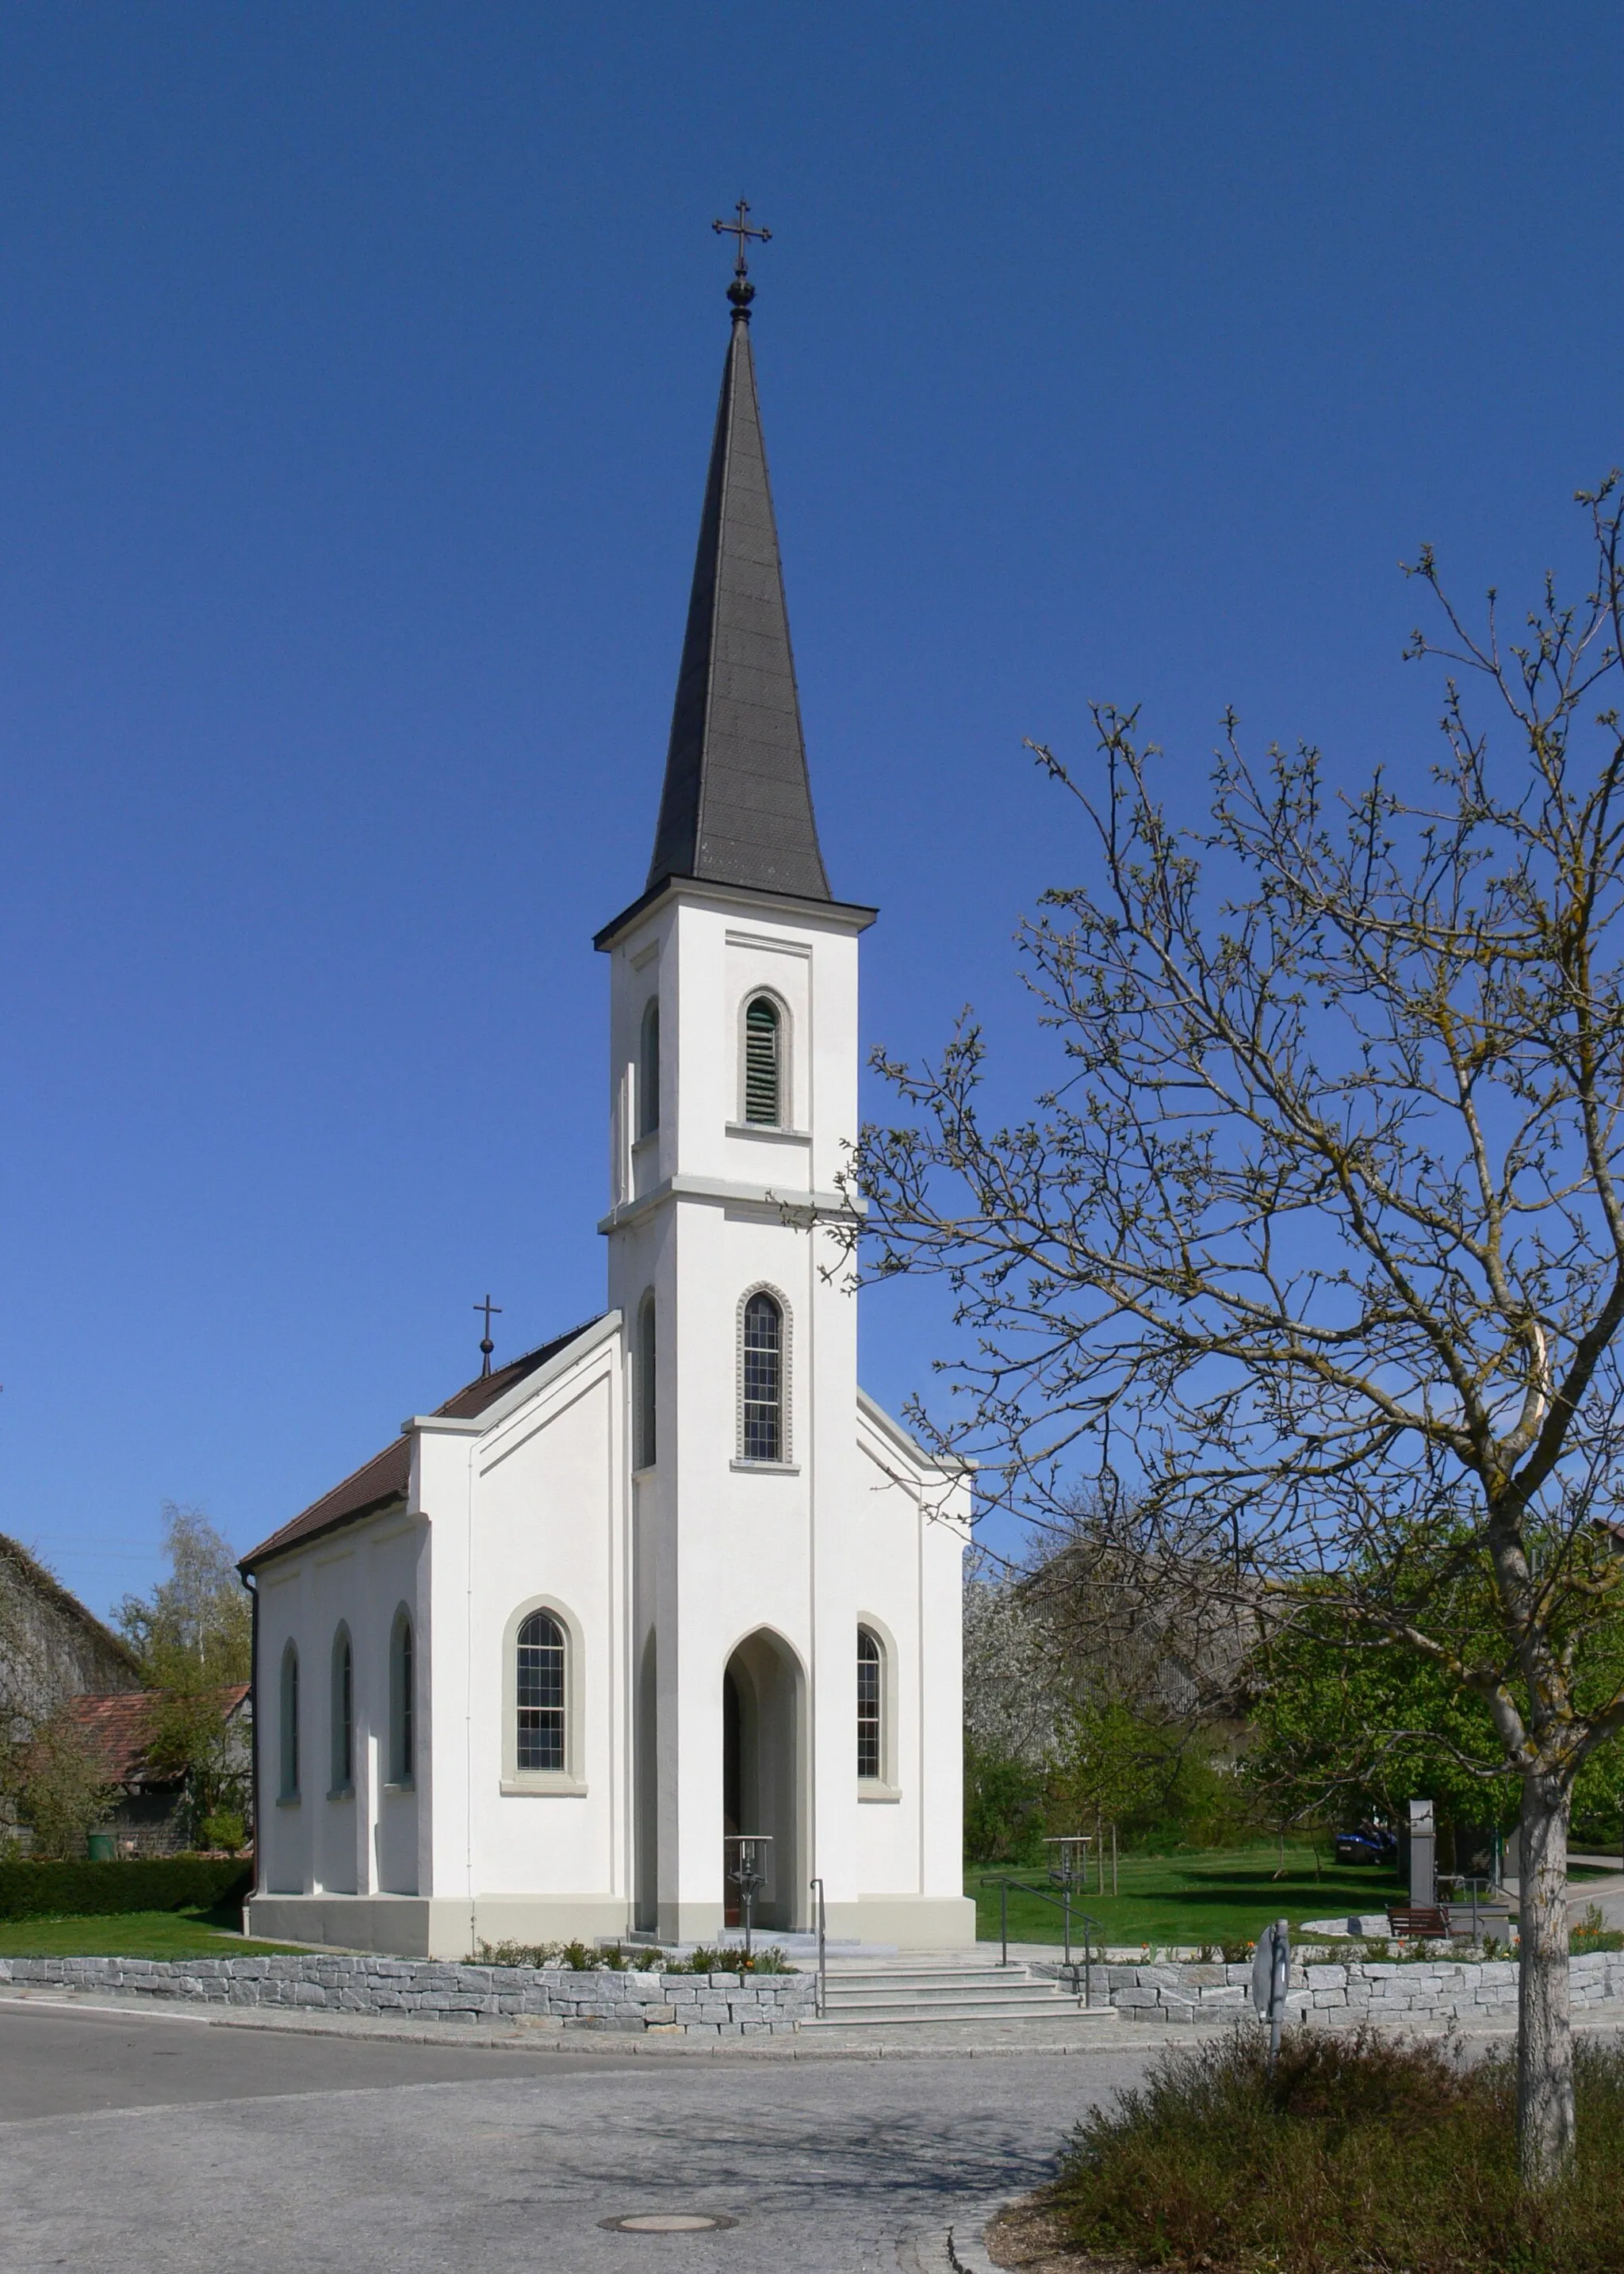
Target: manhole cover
[668,2222]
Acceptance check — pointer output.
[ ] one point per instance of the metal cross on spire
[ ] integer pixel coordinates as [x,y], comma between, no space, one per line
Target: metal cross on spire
[741,292]
[487,1345]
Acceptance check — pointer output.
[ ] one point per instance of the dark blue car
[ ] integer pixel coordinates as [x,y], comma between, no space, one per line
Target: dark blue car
[1370,1844]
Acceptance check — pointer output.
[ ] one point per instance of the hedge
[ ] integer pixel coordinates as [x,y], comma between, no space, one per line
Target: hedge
[134,1883]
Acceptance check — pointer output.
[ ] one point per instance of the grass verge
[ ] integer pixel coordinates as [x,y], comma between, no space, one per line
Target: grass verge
[134,1934]
[1212,1895]
[1363,2152]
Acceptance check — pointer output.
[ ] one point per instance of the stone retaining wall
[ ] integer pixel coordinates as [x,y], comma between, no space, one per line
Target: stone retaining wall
[1332,1995]
[1324,1995]
[685,2005]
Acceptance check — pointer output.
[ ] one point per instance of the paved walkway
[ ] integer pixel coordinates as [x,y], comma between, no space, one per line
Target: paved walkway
[159,2144]
[143,2140]
[1606,1893]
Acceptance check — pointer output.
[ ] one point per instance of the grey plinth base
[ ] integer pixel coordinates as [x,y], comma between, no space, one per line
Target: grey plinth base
[433,1926]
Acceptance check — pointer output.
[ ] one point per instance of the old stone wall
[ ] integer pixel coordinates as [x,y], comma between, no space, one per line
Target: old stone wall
[679,2005]
[51,1647]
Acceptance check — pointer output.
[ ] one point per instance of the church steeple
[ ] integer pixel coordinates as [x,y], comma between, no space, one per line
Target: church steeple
[736,806]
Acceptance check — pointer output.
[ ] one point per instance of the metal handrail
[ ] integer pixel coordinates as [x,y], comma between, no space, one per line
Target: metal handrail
[823,1985]
[1062,1903]
[1476,1888]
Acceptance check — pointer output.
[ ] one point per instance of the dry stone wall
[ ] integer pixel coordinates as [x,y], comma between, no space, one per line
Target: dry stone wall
[1327,1994]
[679,2005]
[1441,1994]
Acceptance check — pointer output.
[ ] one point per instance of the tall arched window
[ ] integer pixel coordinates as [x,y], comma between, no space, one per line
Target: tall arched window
[541,1693]
[344,1714]
[646,1385]
[287,1776]
[403,1702]
[648,1070]
[762,1435]
[764,1054]
[871,1705]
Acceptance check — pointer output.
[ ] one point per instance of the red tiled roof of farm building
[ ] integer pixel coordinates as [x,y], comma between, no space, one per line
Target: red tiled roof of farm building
[119,1725]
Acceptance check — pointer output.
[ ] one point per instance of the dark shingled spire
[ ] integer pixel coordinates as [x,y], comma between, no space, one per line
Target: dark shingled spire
[736,807]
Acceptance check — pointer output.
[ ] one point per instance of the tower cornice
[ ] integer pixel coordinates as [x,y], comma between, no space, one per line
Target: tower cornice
[839,915]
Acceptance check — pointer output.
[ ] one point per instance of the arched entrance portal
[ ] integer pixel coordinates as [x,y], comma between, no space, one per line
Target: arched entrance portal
[762,1719]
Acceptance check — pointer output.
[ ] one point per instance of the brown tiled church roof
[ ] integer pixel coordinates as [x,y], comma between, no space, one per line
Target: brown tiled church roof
[386,1478]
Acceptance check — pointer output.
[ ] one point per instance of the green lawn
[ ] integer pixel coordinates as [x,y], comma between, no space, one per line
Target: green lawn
[134,1934]
[1208,1895]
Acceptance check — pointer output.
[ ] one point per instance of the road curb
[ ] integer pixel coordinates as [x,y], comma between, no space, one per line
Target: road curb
[617,2045]
[960,2248]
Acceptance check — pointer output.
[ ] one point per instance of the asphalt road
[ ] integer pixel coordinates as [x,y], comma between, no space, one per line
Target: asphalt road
[137,2144]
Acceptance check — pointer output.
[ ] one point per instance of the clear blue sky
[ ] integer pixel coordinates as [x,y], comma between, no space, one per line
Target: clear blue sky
[357,367]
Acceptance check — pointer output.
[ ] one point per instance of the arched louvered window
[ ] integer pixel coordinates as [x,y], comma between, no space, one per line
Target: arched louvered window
[403,1702]
[287,1776]
[646,1385]
[762,1387]
[648,1070]
[871,1749]
[343,1712]
[541,1693]
[764,1055]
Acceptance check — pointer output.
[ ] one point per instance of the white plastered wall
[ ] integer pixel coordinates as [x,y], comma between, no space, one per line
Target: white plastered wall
[370,1841]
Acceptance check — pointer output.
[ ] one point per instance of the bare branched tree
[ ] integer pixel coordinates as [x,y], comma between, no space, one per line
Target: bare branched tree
[1319,1241]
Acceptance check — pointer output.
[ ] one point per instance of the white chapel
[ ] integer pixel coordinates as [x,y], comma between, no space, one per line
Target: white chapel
[672,1577]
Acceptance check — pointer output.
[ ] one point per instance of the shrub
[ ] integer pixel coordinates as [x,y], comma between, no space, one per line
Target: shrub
[1362,2151]
[1593,1933]
[225,1830]
[515,1954]
[579,1957]
[141,1883]
[766,1958]
[587,1958]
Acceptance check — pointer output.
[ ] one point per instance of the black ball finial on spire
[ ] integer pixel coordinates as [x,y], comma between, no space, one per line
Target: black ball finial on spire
[741,292]
[487,1347]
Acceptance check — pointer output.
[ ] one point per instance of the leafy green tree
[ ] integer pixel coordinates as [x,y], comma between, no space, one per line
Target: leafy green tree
[193,1637]
[1108,1762]
[1347,1722]
[62,1795]
[1315,1246]
[195,1629]
[1161,1780]
[1003,1804]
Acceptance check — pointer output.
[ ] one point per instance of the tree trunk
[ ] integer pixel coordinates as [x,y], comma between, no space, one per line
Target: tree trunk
[1544,2027]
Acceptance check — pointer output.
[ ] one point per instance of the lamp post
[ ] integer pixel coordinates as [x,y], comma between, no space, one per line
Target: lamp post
[746,1873]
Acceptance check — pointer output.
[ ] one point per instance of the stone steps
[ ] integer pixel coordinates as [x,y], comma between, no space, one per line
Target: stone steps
[915,1997]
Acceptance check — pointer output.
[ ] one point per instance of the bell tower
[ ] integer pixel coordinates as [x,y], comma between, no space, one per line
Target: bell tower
[732,1056]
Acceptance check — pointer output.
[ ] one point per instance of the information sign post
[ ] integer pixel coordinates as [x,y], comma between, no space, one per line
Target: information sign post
[1272,1980]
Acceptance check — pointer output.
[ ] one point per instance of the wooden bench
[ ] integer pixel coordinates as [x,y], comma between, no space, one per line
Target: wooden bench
[1419,1922]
